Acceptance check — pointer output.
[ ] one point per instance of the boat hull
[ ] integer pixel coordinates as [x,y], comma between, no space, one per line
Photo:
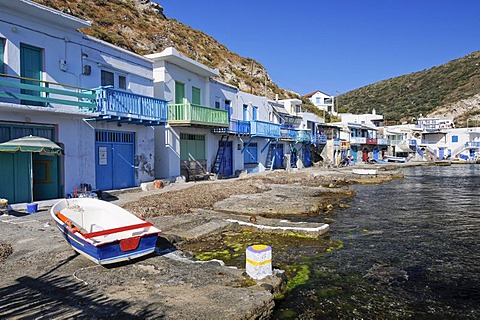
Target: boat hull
[112,245]
[109,252]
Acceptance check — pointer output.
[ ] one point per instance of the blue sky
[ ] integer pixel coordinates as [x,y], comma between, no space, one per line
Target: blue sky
[338,45]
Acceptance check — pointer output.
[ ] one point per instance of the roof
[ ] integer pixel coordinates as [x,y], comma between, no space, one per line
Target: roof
[45,13]
[171,55]
[312,93]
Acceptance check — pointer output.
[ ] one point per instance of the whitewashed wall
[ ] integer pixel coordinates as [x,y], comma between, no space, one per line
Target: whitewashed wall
[54,32]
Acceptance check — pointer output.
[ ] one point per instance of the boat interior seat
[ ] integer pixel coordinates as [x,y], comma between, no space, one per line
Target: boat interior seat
[95,227]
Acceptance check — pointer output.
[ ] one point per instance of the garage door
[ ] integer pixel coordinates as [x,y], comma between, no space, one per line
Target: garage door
[114,157]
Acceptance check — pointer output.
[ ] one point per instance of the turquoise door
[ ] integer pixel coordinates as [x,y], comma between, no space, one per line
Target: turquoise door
[31,67]
[15,171]
[45,177]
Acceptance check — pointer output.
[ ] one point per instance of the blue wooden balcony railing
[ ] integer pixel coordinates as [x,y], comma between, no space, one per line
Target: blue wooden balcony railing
[319,139]
[130,106]
[265,129]
[288,133]
[235,127]
[26,91]
[187,114]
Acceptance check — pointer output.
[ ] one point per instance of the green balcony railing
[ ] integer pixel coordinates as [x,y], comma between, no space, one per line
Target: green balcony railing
[36,92]
[184,114]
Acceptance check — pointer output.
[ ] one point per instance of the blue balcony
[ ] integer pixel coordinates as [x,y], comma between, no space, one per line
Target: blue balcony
[288,133]
[319,139]
[121,106]
[235,127]
[265,129]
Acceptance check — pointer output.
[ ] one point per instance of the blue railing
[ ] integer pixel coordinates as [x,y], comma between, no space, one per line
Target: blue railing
[319,139]
[125,104]
[235,126]
[472,144]
[288,133]
[265,129]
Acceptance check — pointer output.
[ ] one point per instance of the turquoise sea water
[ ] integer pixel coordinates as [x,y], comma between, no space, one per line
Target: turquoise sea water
[411,250]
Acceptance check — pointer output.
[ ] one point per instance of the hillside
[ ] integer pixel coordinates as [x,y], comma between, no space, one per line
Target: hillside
[445,90]
[141,26]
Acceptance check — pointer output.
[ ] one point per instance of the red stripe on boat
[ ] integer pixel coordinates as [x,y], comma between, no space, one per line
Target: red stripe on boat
[116,230]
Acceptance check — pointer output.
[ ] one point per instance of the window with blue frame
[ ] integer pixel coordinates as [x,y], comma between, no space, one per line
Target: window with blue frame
[250,154]
[255,113]
[245,112]
[454,138]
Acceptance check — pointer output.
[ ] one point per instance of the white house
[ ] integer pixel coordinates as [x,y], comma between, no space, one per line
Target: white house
[322,101]
[188,145]
[49,87]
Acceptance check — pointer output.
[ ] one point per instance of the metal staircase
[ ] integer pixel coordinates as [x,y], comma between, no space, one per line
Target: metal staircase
[216,168]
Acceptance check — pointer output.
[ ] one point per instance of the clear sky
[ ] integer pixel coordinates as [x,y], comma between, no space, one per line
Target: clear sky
[337,45]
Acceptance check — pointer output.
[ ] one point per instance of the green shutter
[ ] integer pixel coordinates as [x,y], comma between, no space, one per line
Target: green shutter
[31,67]
[196,96]
[2,49]
[179,92]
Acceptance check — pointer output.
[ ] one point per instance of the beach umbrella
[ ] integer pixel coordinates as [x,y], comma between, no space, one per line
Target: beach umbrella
[31,144]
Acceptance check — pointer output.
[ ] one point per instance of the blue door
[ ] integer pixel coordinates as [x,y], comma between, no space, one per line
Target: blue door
[307,160]
[278,153]
[227,165]
[114,160]
[441,153]
[354,154]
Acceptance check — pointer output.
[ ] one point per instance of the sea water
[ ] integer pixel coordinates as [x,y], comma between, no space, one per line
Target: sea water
[411,250]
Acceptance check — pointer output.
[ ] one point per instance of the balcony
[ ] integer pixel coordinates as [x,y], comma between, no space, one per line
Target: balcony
[235,127]
[472,144]
[320,139]
[189,114]
[121,106]
[33,92]
[304,136]
[382,142]
[288,133]
[372,141]
[265,129]
[358,140]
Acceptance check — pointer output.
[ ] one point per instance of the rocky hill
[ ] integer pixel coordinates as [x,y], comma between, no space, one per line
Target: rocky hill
[141,26]
[449,90]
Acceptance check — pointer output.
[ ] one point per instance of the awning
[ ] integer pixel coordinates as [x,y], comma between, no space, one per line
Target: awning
[31,144]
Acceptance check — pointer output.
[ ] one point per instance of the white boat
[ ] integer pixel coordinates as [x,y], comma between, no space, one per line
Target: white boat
[102,231]
[365,171]
[395,159]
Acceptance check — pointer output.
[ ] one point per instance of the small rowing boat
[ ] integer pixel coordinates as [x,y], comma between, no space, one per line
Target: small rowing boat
[102,231]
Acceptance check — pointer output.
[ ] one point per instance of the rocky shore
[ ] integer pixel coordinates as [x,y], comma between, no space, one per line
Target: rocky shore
[43,277]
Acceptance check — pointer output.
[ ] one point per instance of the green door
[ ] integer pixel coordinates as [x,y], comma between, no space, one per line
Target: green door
[179,92]
[31,67]
[15,170]
[196,99]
